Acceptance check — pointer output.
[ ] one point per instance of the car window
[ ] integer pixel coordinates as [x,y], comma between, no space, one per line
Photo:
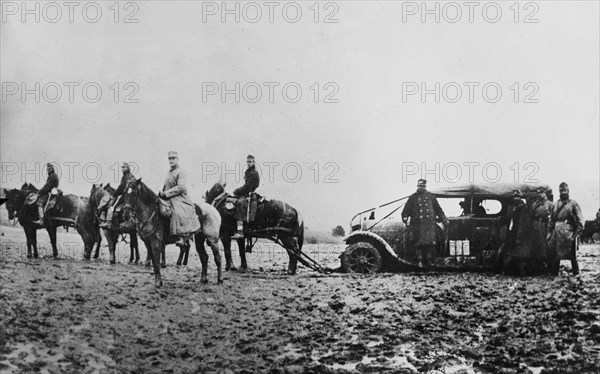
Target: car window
[491,206]
[451,206]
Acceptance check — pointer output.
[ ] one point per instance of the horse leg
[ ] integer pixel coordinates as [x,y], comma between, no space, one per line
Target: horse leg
[29,241]
[203,258]
[186,254]
[135,246]
[226,240]
[131,253]
[112,237]
[291,245]
[242,250]
[180,258]
[163,264]
[216,245]
[148,252]
[52,233]
[98,243]
[156,246]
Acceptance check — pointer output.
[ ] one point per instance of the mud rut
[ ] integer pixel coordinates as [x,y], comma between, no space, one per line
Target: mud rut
[67,315]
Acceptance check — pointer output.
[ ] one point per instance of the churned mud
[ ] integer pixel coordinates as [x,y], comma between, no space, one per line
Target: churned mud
[67,315]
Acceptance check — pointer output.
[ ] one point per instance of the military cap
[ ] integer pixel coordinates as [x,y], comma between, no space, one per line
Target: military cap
[422,182]
[250,157]
[173,154]
[563,185]
[517,193]
[125,165]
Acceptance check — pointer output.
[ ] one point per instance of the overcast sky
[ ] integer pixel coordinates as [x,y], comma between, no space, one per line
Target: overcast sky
[354,152]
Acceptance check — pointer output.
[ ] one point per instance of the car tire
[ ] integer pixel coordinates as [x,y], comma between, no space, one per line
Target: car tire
[362,257]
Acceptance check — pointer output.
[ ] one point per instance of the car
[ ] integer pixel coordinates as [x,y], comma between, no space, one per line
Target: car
[472,240]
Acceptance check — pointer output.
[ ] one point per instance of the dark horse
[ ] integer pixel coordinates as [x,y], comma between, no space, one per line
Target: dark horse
[100,195]
[74,211]
[275,220]
[142,204]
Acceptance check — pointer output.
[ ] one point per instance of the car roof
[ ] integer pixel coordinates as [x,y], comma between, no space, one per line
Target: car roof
[488,190]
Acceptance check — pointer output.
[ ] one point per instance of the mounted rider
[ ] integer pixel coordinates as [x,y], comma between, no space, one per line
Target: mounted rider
[184,220]
[44,193]
[251,183]
[107,216]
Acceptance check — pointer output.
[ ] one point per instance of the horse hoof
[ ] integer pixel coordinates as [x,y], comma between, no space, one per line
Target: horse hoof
[29,256]
[147,264]
[163,265]
[113,262]
[178,264]
[203,281]
[158,284]
[289,272]
[220,281]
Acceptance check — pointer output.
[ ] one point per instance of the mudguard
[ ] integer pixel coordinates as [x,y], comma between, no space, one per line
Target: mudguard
[357,236]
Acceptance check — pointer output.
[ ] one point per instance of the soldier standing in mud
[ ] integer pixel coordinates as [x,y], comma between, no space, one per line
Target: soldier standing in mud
[540,211]
[251,183]
[107,217]
[43,194]
[420,213]
[565,225]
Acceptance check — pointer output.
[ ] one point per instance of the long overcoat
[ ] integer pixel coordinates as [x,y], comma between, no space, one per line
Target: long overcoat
[184,220]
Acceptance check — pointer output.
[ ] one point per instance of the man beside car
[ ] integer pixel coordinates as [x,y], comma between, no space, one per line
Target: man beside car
[565,227]
[420,213]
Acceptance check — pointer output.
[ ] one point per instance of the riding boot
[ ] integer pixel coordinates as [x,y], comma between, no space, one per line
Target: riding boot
[104,223]
[107,221]
[240,230]
[40,221]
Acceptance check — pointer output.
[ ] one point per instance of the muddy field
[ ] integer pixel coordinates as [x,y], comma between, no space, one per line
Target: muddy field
[67,315]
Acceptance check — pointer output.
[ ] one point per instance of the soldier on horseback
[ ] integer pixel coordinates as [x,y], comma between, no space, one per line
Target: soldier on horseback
[107,217]
[251,183]
[184,221]
[44,193]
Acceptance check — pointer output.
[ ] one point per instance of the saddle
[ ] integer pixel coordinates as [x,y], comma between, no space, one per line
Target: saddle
[246,207]
[54,201]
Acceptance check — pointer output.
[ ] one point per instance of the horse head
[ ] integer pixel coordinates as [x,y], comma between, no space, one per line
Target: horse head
[3,197]
[215,191]
[136,194]
[96,195]
[29,187]
[15,199]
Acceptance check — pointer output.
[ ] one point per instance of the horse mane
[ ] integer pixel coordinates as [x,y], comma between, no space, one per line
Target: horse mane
[214,191]
[28,187]
[109,188]
[147,196]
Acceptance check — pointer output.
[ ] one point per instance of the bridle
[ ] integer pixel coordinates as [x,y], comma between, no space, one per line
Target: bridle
[129,209]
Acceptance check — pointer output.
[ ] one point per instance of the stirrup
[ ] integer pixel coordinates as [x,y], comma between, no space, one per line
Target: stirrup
[105,225]
[180,243]
[238,235]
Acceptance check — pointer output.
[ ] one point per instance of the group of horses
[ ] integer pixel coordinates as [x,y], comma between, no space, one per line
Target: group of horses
[275,220]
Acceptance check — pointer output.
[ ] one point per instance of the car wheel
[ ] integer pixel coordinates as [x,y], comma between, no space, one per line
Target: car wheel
[362,258]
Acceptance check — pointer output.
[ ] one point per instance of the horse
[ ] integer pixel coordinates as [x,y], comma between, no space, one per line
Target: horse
[97,195]
[26,214]
[142,204]
[275,220]
[73,211]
